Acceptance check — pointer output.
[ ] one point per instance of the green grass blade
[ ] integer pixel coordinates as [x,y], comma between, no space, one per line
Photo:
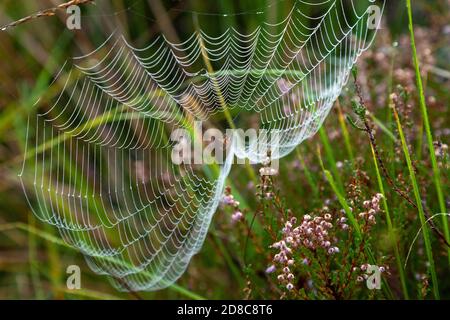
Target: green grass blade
[351,218]
[330,158]
[345,134]
[308,175]
[425,230]
[392,235]
[341,199]
[426,124]
[33,261]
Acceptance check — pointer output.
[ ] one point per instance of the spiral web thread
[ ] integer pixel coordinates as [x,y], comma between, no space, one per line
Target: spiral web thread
[101,171]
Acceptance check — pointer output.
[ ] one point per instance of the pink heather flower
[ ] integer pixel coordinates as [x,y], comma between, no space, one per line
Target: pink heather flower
[227,199]
[237,216]
[270,269]
[290,286]
[311,233]
[267,171]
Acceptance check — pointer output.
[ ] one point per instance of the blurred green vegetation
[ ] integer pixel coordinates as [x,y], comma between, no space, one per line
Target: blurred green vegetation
[232,262]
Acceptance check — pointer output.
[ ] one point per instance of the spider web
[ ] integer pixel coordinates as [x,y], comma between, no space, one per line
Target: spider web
[101,169]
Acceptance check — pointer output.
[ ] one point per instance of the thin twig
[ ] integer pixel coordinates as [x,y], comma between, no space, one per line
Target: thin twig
[45,13]
[384,171]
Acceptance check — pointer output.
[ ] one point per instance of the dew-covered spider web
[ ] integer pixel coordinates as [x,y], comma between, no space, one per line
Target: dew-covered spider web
[98,161]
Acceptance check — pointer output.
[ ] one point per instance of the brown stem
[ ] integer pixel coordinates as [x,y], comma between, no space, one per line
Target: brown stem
[126,286]
[384,171]
[44,13]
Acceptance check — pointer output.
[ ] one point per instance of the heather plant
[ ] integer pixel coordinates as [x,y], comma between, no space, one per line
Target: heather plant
[317,255]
